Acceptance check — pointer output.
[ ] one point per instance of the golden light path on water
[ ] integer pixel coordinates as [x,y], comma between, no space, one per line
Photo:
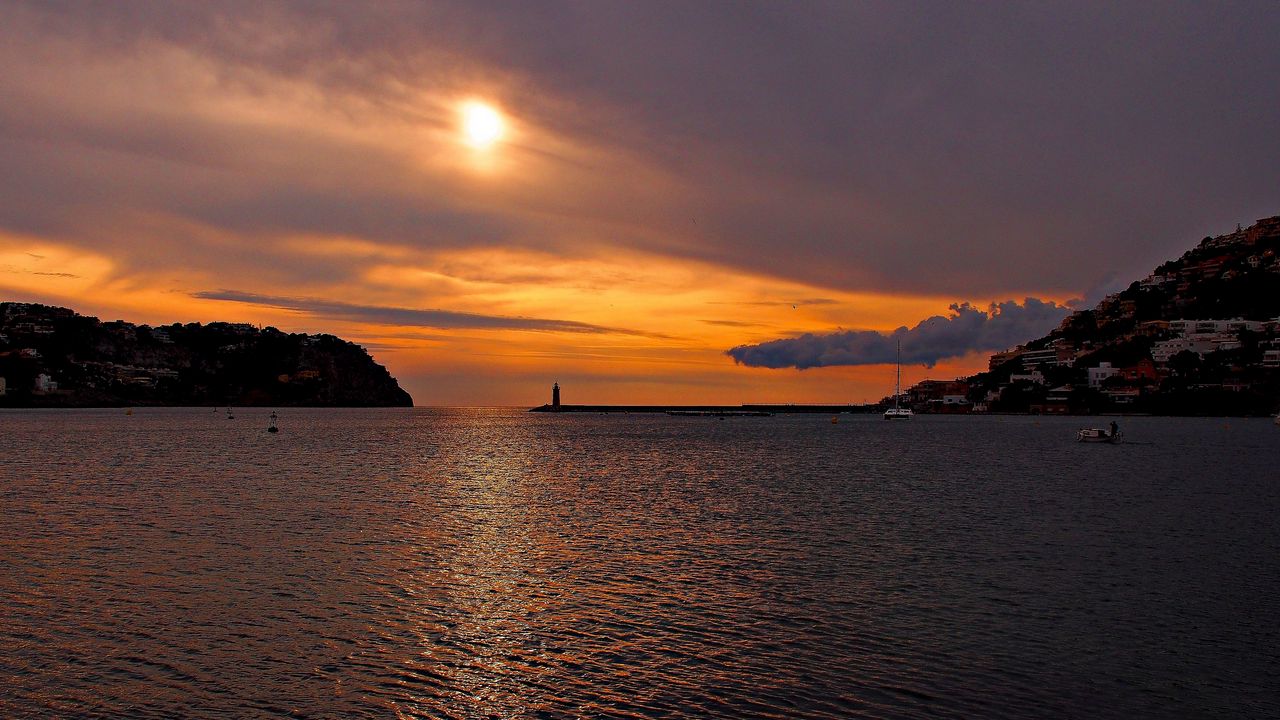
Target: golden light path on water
[497,563]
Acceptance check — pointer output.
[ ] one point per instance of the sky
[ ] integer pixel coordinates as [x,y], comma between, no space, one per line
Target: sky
[707,202]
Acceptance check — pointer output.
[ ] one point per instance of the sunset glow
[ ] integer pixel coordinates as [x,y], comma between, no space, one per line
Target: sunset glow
[492,359]
[487,215]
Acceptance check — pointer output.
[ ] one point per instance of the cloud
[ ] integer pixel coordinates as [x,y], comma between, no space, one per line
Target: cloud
[302,117]
[781,303]
[382,315]
[731,323]
[966,330]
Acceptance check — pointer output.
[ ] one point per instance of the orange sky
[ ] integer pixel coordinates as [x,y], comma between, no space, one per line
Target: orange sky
[667,322]
[627,224]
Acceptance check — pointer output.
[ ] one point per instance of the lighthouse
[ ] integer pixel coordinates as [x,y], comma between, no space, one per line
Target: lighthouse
[555,396]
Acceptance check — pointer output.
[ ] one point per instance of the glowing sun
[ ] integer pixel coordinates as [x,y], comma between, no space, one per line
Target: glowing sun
[482,126]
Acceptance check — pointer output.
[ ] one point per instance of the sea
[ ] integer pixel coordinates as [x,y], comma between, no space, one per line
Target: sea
[495,563]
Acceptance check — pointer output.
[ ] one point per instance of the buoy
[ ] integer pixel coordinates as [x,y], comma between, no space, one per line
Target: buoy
[272,427]
[128,411]
[835,420]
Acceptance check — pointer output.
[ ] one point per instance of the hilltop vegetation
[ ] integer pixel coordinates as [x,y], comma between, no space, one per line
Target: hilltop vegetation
[51,356]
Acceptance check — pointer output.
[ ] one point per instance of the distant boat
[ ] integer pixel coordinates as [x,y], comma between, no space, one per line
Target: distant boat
[1097,435]
[896,412]
[272,427]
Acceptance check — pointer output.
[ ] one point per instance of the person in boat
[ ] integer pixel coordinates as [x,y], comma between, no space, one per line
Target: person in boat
[1114,428]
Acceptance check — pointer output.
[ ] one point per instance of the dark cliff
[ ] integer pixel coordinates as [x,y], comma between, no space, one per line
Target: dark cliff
[53,357]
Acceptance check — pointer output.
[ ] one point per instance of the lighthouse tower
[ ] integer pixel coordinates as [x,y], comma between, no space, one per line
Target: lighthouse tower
[555,396]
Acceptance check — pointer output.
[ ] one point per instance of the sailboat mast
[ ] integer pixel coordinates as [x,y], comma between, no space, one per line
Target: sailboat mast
[897,385]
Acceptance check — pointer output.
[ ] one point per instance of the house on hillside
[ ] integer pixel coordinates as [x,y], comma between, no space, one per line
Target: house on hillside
[1100,373]
[1142,371]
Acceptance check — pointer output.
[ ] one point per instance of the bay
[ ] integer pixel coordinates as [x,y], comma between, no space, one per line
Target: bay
[496,563]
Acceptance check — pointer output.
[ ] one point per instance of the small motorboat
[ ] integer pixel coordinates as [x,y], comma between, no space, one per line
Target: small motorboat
[1098,435]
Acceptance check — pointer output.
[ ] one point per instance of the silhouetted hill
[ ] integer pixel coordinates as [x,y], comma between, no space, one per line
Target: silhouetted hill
[53,357]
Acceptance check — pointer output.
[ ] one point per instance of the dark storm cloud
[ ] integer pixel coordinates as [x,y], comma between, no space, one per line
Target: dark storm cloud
[440,319]
[914,147]
[966,330]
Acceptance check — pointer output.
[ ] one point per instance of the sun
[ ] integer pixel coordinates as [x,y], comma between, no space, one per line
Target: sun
[482,125]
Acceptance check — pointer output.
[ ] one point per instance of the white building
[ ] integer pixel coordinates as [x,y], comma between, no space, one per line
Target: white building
[1036,358]
[3,388]
[1035,376]
[1235,325]
[1100,373]
[1198,343]
[45,384]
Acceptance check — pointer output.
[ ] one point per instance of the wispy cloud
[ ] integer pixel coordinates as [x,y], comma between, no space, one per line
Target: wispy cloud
[731,323]
[430,318]
[781,303]
[967,329]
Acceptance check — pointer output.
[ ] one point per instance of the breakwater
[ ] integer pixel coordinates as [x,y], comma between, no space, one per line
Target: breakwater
[779,409]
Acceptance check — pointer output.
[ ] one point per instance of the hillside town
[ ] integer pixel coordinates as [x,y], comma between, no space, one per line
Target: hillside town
[1199,335]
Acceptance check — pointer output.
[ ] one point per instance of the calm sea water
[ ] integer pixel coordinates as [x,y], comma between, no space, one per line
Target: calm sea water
[496,563]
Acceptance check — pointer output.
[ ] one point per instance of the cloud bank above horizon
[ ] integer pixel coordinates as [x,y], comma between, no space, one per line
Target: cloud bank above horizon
[967,329]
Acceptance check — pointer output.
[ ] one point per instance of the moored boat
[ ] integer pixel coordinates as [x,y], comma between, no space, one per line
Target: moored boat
[1098,435]
[896,412]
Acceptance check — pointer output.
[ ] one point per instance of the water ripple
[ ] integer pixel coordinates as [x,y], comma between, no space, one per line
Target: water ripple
[496,564]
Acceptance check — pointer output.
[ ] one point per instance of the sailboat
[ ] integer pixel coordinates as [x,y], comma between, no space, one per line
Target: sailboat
[896,412]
